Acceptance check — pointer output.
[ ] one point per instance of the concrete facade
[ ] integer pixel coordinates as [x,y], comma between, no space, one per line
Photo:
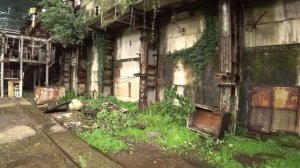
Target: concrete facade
[127,49]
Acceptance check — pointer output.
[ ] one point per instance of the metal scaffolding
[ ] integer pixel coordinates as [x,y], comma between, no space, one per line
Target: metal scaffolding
[17,52]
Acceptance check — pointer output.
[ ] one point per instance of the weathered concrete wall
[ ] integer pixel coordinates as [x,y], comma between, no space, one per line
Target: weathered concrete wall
[126,49]
[171,39]
[180,75]
[279,26]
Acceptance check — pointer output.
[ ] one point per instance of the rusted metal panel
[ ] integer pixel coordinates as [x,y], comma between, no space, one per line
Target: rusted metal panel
[208,120]
[46,94]
[286,98]
[274,109]
[261,97]
[260,120]
[285,121]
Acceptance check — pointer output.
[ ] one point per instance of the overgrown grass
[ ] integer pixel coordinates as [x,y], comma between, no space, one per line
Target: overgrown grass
[272,154]
[130,106]
[163,117]
[103,141]
[178,138]
[134,133]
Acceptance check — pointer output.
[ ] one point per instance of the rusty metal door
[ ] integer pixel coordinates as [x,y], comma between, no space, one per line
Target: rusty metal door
[260,110]
[273,109]
[285,109]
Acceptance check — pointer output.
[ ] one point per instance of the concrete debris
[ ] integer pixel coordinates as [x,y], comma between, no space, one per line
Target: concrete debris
[75,105]
[57,128]
[113,107]
[72,124]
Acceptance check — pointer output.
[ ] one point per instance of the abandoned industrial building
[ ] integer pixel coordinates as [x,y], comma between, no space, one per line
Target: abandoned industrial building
[219,69]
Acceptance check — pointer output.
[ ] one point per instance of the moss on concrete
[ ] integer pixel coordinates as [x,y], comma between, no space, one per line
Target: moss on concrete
[272,66]
[268,66]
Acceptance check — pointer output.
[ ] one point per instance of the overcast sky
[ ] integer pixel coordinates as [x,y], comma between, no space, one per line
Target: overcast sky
[18,12]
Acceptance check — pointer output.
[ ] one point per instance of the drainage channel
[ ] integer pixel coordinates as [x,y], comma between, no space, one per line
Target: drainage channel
[66,155]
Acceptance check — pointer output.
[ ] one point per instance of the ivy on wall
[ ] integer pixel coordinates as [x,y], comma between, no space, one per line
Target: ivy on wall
[99,40]
[199,54]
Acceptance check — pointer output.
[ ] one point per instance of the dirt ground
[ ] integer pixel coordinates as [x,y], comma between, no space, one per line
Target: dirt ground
[150,155]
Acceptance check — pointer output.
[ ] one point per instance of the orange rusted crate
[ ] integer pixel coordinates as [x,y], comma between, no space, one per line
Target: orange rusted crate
[209,121]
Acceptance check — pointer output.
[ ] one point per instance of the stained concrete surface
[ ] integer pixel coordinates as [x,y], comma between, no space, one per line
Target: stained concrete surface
[16,133]
[22,145]
[30,139]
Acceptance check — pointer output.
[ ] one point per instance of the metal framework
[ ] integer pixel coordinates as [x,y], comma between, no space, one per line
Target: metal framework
[18,52]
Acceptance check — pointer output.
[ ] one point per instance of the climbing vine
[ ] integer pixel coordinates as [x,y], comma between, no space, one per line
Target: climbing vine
[99,39]
[199,54]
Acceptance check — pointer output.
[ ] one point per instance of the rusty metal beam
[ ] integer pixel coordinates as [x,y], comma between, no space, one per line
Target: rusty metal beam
[229,31]
[143,69]
[225,53]
[21,67]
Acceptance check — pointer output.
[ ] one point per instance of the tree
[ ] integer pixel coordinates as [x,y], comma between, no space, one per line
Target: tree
[65,25]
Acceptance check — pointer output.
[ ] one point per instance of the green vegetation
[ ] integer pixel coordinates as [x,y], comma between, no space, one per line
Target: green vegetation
[199,54]
[70,95]
[104,141]
[64,24]
[117,129]
[166,107]
[270,153]
[99,38]
[114,120]
[260,65]
[120,124]
[82,161]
